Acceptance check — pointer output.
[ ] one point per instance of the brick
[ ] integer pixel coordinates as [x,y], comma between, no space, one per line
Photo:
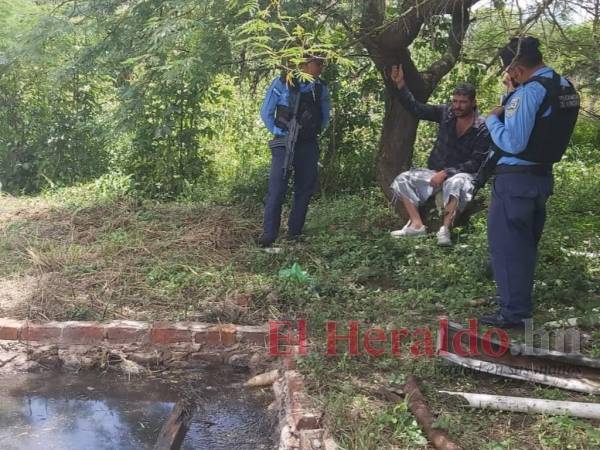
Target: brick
[47,332]
[311,439]
[170,333]
[303,415]
[82,333]
[289,363]
[253,335]
[127,331]
[220,335]
[188,347]
[10,329]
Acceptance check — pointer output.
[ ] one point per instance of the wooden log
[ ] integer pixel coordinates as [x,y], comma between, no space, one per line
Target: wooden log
[565,371]
[173,431]
[503,370]
[418,407]
[264,379]
[530,405]
[525,351]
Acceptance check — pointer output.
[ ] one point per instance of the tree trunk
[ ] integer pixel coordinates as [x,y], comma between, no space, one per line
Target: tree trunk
[399,130]
[396,144]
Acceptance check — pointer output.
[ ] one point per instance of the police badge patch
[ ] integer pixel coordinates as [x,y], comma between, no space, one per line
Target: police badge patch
[512,107]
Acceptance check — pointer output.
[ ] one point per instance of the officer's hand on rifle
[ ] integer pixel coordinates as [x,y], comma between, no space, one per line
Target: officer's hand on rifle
[397,76]
[497,111]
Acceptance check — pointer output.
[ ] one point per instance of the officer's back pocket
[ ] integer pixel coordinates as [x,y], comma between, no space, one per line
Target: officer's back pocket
[522,198]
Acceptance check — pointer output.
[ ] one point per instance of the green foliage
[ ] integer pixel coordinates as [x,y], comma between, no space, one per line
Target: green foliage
[166,93]
[404,425]
[294,273]
[564,432]
[106,189]
[350,143]
[359,427]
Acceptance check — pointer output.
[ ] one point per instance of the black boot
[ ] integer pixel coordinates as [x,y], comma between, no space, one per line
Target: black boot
[264,241]
[498,320]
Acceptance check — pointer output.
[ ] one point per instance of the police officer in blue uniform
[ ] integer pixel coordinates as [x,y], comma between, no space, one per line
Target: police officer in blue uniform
[530,132]
[313,116]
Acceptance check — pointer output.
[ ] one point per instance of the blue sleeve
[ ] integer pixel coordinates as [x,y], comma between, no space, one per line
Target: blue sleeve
[325,106]
[269,106]
[519,118]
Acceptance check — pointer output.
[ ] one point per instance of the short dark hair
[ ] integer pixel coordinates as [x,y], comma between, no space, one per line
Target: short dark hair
[466,89]
[521,50]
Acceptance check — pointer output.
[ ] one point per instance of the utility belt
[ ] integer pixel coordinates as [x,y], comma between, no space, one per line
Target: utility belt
[538,169]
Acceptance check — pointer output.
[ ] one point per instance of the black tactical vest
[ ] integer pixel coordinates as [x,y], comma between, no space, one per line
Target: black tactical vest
[310,113]
[551,134]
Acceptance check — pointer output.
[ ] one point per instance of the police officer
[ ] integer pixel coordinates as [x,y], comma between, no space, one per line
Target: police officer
[313,116]
[530,132]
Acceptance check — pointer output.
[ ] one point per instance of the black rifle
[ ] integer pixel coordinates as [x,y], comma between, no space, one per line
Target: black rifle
[293,127]
[486,170]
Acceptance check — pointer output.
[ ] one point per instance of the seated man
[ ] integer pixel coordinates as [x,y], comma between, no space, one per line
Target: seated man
[462,145]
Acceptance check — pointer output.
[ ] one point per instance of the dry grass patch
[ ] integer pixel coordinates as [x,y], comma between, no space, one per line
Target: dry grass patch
[122,261]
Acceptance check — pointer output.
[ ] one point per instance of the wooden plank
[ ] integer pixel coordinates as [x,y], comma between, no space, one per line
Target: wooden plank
[173,431]
[565,371]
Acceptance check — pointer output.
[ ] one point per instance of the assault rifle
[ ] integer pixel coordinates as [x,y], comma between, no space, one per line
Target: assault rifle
[293,127]
[486,170]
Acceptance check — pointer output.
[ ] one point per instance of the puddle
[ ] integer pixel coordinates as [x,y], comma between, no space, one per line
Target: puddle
[55,411]
[230,417]
[92,411]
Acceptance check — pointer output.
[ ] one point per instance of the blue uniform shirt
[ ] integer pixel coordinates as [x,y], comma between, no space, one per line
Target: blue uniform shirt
[278,94]
[513,135]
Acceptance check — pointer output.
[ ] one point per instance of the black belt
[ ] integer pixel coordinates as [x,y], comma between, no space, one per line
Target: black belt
[538,169]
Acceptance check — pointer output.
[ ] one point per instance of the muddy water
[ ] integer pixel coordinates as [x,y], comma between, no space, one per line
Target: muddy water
[228,416]
[96,412]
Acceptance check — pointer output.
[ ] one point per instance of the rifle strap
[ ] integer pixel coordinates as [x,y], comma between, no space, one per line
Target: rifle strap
[294,97]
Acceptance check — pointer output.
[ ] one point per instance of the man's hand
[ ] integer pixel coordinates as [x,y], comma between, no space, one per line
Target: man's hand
[438,178]
[509,83]
[497,111]
[397,76]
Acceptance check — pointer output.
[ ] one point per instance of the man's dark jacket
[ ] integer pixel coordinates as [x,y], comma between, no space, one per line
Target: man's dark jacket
[450,153]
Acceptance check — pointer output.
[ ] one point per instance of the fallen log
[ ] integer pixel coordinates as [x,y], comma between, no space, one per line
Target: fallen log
[525,351]
[264,379]
[530,405]
[173,431]
[503,370]
[566,371]
[418,407]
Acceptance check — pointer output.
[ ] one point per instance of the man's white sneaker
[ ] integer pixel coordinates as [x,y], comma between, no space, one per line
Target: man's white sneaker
[444,238]
[409,231]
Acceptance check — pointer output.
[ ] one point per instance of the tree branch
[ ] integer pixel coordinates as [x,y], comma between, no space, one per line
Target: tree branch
[373,15]
[407,25]
[460,24]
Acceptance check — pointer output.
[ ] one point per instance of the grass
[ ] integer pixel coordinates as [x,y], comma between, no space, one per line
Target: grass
[91,253]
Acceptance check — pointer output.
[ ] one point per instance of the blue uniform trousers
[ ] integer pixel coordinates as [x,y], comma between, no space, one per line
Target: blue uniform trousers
[515,223]
[306,158]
